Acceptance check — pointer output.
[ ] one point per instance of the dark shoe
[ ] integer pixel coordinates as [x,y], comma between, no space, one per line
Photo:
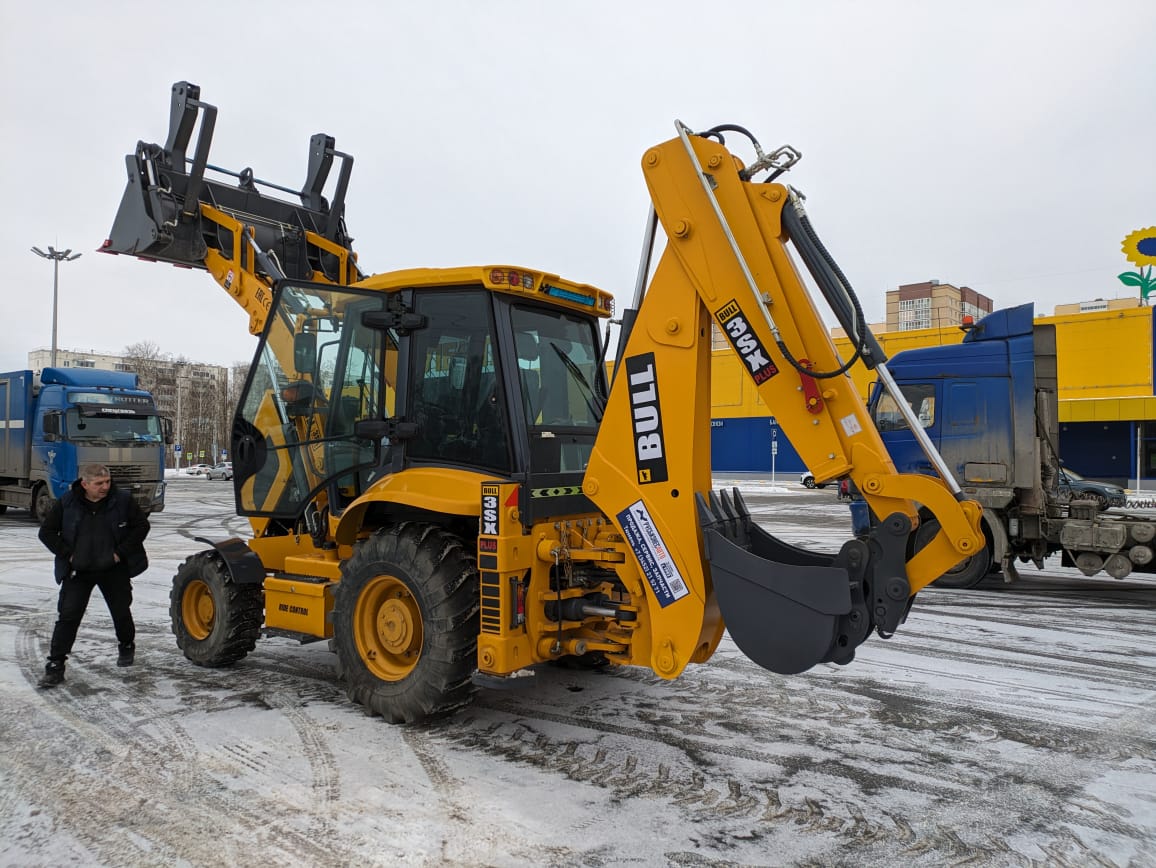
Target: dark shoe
[126,655]
[53,673]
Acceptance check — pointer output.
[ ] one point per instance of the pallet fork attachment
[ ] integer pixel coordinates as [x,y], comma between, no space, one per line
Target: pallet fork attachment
[172,212]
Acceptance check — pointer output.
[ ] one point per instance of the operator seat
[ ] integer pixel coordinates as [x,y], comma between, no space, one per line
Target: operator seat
[533,393]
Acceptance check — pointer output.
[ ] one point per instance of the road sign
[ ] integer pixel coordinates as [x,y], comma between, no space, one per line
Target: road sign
[177,448]
[774,447]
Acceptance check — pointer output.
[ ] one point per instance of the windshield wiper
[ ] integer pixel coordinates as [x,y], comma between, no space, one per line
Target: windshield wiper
[596,406]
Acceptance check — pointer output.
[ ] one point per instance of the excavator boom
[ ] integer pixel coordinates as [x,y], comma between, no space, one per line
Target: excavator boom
[727,264]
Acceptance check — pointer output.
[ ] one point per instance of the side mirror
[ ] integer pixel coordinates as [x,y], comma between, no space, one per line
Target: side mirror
[167,429]
[51,426]
[304,352]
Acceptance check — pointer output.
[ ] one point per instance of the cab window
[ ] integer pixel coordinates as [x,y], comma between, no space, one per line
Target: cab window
[919,396]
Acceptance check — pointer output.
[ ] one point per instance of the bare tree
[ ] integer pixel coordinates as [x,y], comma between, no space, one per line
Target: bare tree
[149,363]
[238,374]
[198,398]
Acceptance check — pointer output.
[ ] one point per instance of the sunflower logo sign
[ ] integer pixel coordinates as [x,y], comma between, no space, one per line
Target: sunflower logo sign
[1140,249]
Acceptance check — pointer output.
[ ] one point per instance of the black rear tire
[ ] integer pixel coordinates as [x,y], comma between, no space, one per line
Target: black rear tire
[216,621]
[405,623]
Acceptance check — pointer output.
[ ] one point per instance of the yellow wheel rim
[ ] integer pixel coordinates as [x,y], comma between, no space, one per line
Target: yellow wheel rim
[198,610]
[387,628]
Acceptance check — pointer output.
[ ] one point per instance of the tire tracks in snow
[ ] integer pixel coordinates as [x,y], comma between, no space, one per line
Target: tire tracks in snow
[149,760]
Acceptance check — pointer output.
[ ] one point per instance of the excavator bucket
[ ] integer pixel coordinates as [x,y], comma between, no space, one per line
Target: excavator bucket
[172,212]
[786,608]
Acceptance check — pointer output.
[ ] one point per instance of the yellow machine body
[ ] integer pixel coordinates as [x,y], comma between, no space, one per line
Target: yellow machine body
[631,559]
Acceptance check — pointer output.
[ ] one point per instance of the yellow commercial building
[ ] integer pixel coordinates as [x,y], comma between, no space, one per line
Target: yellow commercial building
[1107,393]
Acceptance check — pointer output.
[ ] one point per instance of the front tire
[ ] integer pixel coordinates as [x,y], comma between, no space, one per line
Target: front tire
[809,482]
[405,623]
[216,621]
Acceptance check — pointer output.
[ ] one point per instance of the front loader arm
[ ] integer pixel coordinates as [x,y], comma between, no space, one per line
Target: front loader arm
[726,261]
[171,212]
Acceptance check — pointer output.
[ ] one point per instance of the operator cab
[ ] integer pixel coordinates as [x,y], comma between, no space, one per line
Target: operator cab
[453,376]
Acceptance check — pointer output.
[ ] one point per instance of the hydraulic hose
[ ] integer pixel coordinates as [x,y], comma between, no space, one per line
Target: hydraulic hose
[836,289]
[834,285]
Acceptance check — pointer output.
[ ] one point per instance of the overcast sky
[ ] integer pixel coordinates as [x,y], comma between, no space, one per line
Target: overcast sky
[1006,146]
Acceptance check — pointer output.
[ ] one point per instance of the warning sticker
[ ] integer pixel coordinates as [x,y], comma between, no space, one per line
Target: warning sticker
[652,553]
[851,425]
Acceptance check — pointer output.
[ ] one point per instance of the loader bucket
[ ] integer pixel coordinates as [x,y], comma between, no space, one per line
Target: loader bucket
[786,608]
[147,223]
[172,211]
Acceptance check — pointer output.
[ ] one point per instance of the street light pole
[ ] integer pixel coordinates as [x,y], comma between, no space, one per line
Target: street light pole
[57,256]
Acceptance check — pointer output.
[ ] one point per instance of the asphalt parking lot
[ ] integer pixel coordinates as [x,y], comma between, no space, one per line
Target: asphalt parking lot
[1000,726]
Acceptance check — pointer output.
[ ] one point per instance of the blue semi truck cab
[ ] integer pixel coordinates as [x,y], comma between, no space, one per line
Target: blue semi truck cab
[990,406]
[55,421]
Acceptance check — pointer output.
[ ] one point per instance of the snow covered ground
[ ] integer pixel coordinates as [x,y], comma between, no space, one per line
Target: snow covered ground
[1001,726]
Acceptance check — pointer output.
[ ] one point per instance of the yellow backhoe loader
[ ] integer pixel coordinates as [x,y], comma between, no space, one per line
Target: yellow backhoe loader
[443,479]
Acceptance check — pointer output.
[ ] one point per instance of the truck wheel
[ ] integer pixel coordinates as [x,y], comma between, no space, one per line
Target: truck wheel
[405,623]
[967,573]
[216,622]
[42,501]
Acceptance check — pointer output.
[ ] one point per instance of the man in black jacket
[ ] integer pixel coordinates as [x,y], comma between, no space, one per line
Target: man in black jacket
[97,533]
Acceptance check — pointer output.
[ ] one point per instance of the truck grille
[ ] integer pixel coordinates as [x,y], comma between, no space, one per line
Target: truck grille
[139,481]
[122,473]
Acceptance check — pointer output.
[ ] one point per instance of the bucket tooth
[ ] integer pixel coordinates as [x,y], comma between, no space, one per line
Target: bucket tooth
[735,519]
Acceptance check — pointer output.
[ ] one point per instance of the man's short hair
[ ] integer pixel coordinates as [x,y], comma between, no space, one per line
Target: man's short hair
[89,472]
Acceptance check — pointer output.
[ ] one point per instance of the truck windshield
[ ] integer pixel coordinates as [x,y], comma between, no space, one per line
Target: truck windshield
[108,425]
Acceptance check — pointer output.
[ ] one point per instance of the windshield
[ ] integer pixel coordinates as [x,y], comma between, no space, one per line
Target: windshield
[104,426]
[563,386]
[559,369]
[319,370]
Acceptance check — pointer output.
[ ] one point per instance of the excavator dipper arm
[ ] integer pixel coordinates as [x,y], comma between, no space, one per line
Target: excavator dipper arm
[702,555]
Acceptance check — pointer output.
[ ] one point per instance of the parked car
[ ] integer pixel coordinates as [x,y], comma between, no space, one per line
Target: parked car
[1074,486]
[808,480]
[224,470]
[197,469]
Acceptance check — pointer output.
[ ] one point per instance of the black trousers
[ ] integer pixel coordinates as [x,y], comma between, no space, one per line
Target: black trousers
[75,591]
